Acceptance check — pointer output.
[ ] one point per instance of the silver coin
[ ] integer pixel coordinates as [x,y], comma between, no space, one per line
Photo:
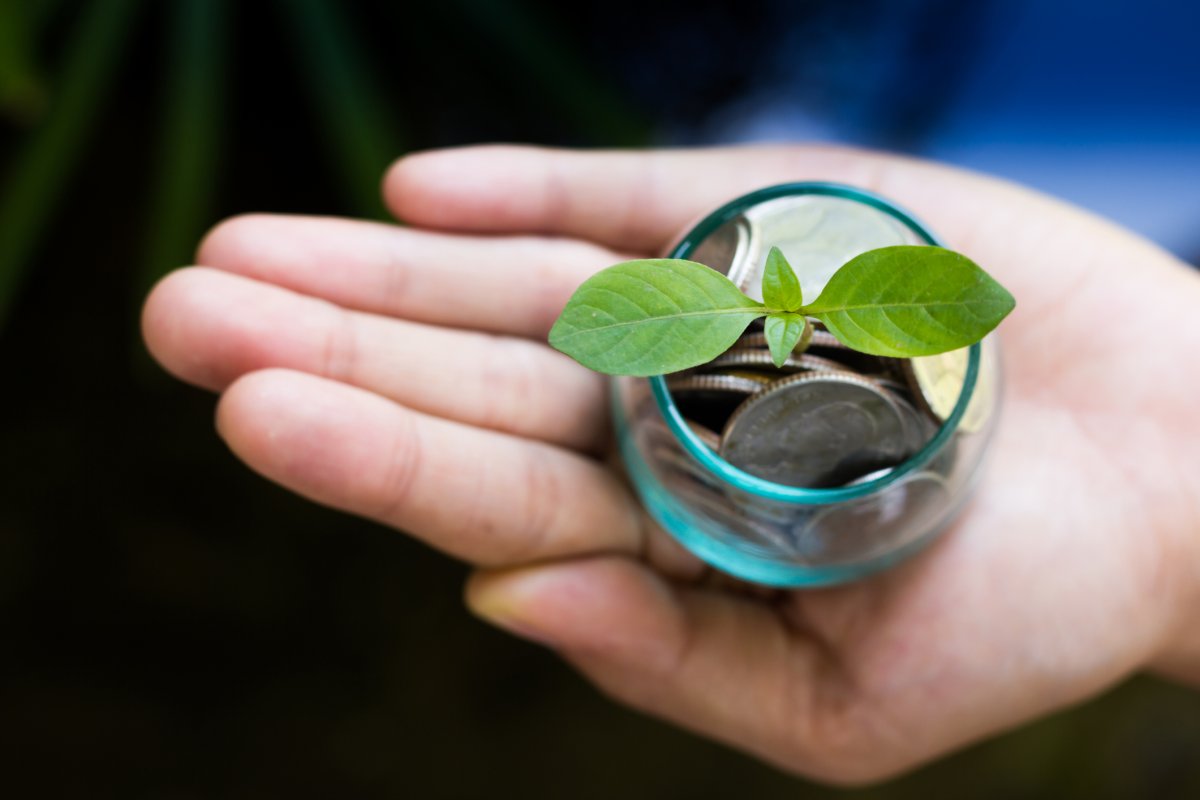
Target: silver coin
[817,429]
[757,358]
[819,338]
[731,384]
[829,345]
[920,427]
[724,247]
[817,234]
[878,524]
[711,399]
[759,376]
[887,381]
[667,458]
[880,367]
[754,536]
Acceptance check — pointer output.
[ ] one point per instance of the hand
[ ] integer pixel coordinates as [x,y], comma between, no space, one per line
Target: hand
[400,374]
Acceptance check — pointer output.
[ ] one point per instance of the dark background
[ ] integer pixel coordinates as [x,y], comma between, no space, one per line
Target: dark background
[173,626]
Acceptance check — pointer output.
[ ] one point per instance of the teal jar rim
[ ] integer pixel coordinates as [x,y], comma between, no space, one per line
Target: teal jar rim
[761,487]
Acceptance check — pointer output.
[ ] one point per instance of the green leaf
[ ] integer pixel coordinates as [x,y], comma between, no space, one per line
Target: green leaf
[780,286]
[783,332]
[910,301]
[652,316]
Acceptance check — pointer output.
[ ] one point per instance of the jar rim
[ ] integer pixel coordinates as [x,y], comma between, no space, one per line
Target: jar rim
[762,487]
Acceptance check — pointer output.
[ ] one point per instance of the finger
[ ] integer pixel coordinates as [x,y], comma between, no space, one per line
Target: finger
[209,327]
[515,284]
[717,663]
[480,495]
[643,199]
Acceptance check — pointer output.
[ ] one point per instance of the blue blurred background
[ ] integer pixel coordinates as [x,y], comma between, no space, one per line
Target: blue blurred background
[1097,103]
[175,627]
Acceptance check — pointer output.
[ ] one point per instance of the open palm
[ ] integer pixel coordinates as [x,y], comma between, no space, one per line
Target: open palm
[401,374]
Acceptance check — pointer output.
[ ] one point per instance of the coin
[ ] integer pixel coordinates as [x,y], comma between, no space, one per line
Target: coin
[920,427]
[710,437]
[817,234]
[671,463]
[710,399]
[725,246]
[892,385]
[867,364]
[876,524]
[818,337]
[822,339]
[760,377]
[756,537]
[937,381]
[817,429]
[726,384]
[837,357]
[755,357]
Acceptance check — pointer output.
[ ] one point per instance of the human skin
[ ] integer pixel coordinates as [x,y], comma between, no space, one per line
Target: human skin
[401,374]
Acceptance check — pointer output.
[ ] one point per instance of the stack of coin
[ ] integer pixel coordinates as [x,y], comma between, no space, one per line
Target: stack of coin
[831,416]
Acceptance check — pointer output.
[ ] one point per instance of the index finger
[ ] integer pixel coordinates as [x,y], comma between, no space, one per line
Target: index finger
[641,200]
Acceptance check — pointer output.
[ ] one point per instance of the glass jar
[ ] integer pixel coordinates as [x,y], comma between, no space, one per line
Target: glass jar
[783,535]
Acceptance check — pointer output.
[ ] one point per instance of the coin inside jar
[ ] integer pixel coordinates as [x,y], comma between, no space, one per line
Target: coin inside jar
[710,399]
[724,247]
[755,358]
[938,380]
[823,345]
[871,525]
[833,431]
[817,429]
[711,438]
[818,337]
[818,234]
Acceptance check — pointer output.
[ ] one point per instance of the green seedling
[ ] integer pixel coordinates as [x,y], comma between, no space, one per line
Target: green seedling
[660,315]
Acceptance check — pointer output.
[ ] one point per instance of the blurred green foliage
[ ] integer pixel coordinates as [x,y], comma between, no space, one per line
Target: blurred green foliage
[362,128]
[188,147]
[43,165]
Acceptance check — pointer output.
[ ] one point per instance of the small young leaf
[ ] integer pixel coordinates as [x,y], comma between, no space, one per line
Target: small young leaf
[652,316]
[783,332]
[780,286]
[910,301]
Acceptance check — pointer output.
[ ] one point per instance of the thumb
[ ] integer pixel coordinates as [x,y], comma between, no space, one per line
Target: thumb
[718,663]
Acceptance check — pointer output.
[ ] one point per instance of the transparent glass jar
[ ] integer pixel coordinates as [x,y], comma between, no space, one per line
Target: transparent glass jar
[783,535]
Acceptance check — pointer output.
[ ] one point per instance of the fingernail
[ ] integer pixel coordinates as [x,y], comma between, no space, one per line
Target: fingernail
[494,607]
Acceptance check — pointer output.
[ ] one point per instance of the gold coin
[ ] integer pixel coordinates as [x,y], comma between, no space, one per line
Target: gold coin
[937,381]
